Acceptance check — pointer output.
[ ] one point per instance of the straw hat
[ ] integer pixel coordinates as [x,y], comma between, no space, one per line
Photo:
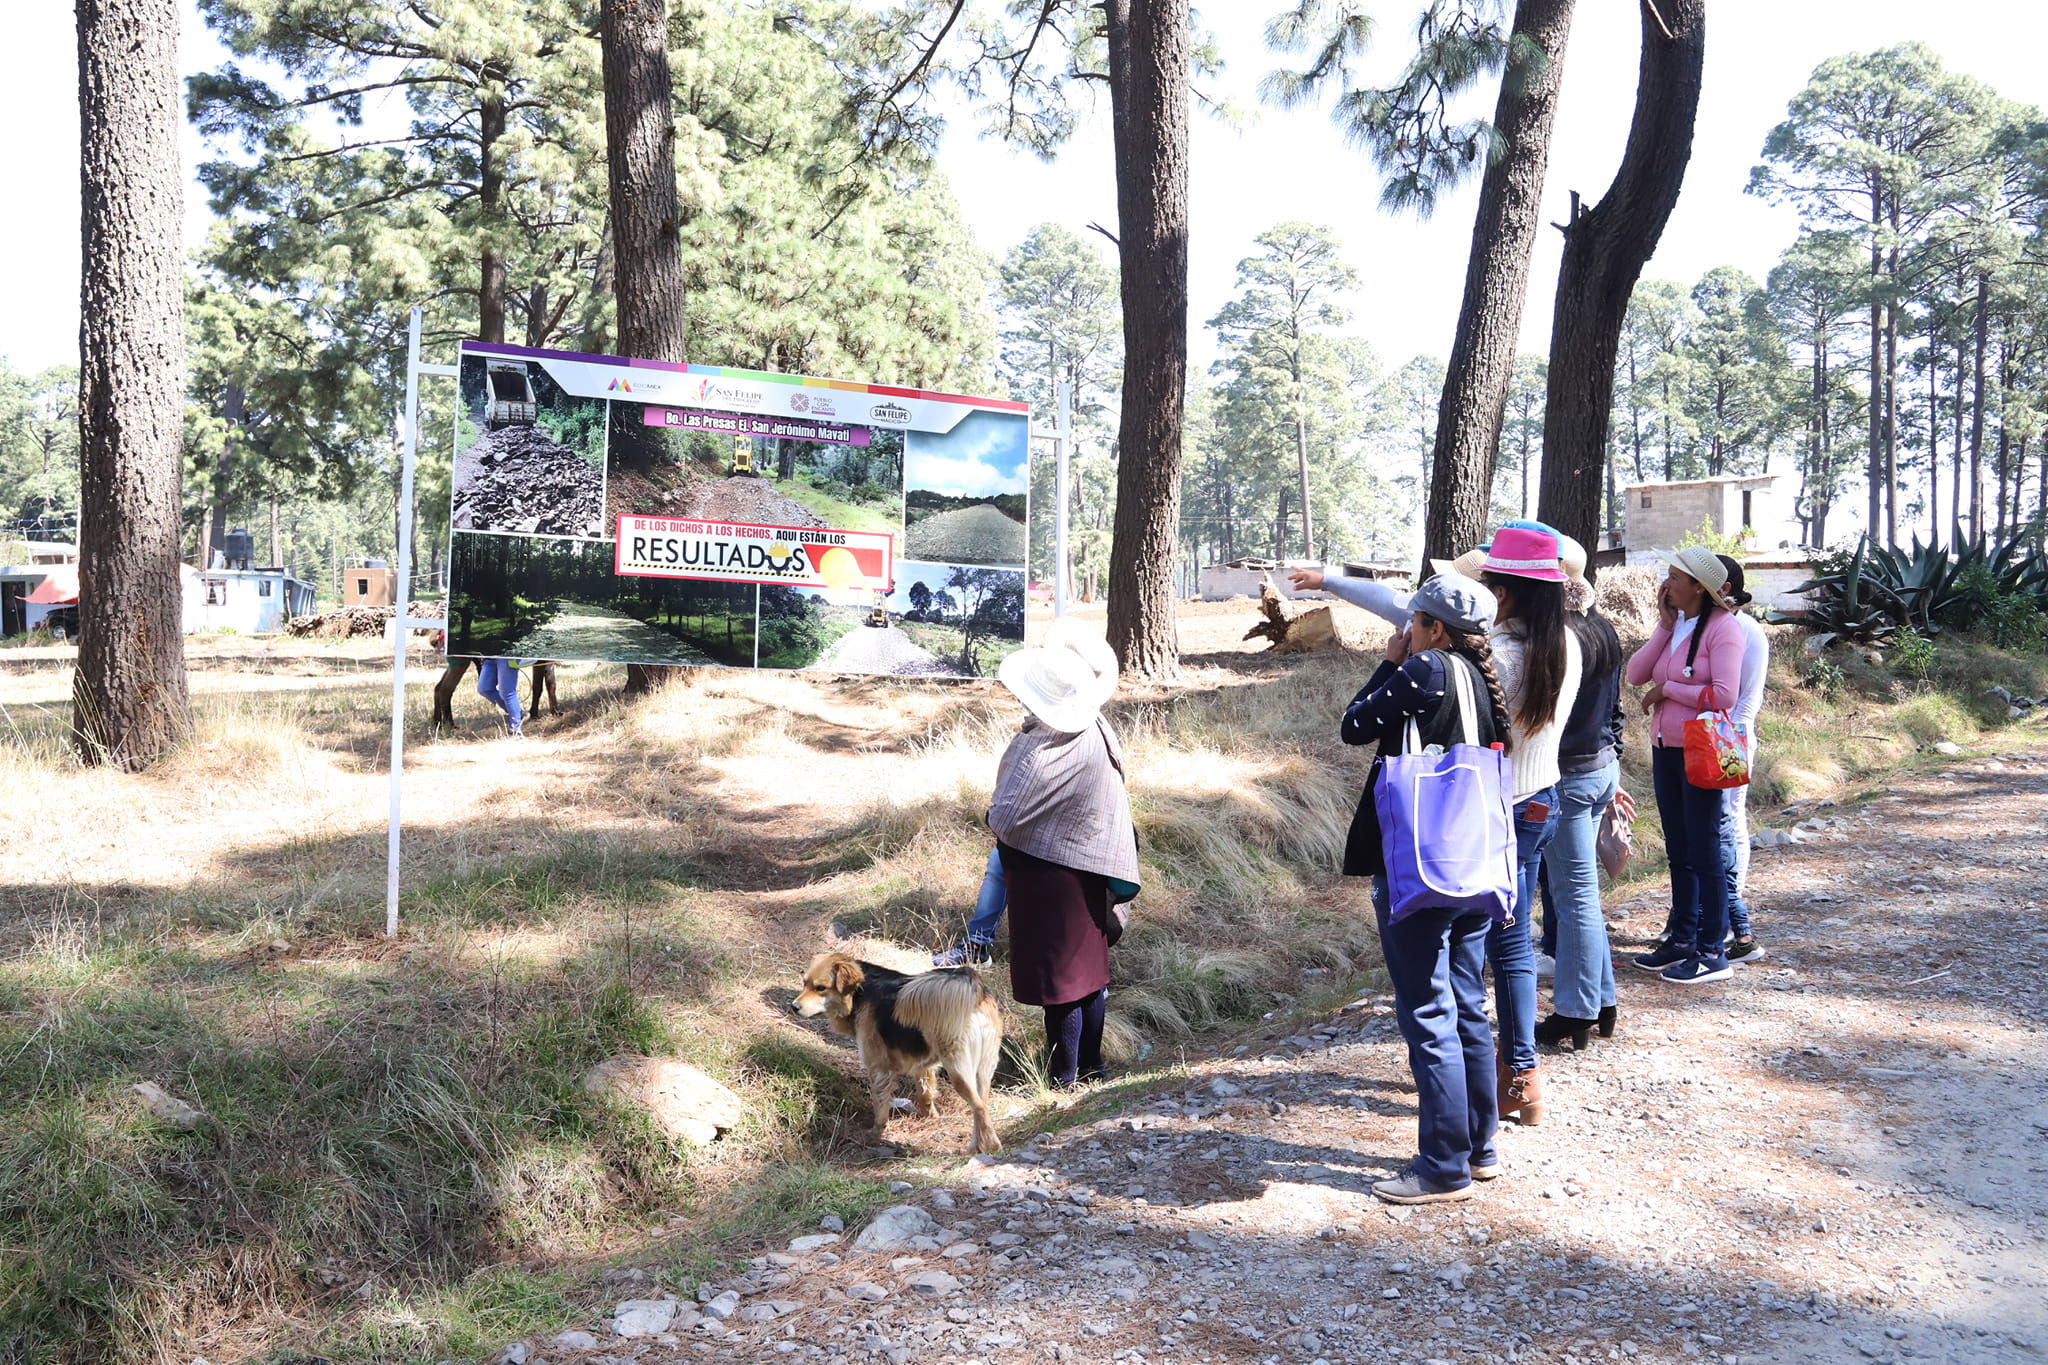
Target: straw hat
[1571,557]
[1466,565]
[1702,565]
[1064,681]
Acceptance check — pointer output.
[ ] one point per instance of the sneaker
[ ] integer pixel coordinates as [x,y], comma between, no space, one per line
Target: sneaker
[1743,950]
[1410,1189]
[1546,967]
[1663,956]
[965,953]
[1695,970]
[1492,1171]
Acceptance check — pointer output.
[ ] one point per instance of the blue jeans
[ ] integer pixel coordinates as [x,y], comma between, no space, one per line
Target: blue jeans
[1507,945]
[497,682]
[1571,875]
[1735,854]
[989,906]
[1691,817]
[1434,958]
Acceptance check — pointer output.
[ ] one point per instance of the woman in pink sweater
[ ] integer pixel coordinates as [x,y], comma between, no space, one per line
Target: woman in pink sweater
[1692,663]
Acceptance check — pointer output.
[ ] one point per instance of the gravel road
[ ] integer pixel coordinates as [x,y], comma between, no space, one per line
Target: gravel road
[580,633]
[744,500]
[866,649]
[972,535]
[516,479]
[1836,1157]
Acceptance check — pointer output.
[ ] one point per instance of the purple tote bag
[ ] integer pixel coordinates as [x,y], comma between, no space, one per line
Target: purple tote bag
[1446,823]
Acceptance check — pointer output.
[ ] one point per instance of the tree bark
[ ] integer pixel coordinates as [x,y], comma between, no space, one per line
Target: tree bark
[490,310]
[640,139]
[1482,363]
[1872,468]
[1148,81]
[129,700]
[1983,325]
[640,157]
[1891,419]
[1604,252]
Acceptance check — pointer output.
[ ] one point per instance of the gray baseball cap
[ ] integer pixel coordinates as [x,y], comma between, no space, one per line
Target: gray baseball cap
[1462,603]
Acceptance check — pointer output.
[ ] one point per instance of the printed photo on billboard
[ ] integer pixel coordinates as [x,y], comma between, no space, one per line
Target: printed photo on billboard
[627,511]
[965,491]
[529,457]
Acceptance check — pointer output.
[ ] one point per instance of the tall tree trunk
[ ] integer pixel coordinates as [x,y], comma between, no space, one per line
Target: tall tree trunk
[1873,453]
[1983,325]
[640,157]
[1148,84]
[1604,252]
[276,550]
[490,309]
[1482,363]
[1891,419]
[129,701]
[1934,428]
[1308,550]
[216,520]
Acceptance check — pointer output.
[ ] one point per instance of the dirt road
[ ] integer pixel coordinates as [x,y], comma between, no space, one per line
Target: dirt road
[867,649]
[972,535]
[1838,1156]
[578,632]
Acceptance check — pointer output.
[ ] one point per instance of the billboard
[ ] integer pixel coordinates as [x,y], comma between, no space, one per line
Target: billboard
[633,511]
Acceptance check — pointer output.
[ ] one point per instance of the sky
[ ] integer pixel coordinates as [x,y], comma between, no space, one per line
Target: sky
[982,456]
[1275,167]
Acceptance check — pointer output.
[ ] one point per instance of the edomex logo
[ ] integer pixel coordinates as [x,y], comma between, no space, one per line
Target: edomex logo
[889,415]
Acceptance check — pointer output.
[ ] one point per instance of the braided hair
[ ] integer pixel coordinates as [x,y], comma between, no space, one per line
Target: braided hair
[1477,650]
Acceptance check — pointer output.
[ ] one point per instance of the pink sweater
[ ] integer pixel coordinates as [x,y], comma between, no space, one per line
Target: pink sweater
[1716,674]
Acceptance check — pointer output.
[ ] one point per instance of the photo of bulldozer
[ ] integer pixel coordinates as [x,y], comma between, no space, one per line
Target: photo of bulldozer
[742,459]
[511,395]
[878,610]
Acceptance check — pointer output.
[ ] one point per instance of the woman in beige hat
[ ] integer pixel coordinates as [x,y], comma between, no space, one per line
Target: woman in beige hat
[1691,663]
[1062,821]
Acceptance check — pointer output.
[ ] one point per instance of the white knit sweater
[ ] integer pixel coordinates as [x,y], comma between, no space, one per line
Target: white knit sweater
[1534,756]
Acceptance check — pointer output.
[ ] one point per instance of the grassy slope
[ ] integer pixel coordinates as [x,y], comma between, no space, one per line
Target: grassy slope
[400,1164]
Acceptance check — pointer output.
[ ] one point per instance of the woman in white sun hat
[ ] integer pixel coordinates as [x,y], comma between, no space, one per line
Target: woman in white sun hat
[1062,821]
[1691,663]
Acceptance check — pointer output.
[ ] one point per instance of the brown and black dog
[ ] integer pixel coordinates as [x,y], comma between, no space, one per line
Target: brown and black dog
[910,1026]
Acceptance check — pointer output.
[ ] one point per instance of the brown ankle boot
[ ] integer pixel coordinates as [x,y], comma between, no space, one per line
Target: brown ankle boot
[1521,1094]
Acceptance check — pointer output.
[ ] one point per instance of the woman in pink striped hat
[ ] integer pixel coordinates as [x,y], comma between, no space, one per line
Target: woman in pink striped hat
[1538,660]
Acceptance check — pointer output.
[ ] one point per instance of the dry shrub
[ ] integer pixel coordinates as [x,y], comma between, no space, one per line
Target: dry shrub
[1627,596]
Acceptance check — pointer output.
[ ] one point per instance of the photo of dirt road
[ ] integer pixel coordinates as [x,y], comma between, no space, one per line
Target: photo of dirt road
[980,534]
[965,491]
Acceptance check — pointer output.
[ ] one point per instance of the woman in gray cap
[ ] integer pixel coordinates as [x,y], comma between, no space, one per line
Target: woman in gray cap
[1435,956]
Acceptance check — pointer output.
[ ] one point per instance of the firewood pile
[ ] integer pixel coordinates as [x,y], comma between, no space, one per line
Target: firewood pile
[355,623]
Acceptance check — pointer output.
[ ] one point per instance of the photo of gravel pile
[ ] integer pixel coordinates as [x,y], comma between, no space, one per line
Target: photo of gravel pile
[529,458]
[964,499]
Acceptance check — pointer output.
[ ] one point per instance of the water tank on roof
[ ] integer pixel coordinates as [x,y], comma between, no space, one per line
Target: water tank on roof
[240,548]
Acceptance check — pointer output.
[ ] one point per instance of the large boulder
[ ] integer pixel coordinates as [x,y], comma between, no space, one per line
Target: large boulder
[681,1100]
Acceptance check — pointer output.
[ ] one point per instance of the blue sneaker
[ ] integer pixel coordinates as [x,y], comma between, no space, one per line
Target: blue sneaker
[965,953]
[1695,970]
[1663,956]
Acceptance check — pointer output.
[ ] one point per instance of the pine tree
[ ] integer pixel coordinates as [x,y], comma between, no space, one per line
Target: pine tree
[129,700]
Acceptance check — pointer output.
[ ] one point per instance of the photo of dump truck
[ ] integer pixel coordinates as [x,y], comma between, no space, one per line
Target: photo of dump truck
[510,402]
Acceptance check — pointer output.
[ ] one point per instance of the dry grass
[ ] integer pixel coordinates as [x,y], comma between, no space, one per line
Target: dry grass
[401,1165]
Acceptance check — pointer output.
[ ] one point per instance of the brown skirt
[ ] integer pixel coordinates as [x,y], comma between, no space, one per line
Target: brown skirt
[1058,950]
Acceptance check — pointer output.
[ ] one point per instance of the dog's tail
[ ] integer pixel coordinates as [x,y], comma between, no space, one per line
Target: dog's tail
[941,1004]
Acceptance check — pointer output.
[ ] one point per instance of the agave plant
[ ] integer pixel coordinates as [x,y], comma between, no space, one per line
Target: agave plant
[1853,603]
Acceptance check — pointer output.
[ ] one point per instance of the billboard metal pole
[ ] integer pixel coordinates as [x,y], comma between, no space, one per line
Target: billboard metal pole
[401,624]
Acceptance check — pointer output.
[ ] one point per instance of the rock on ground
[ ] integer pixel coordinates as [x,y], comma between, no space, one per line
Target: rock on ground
[681,1100]
[894,1228]
[517,479]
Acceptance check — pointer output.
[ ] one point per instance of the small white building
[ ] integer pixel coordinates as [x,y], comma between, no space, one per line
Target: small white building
[246,601]
[1659,515]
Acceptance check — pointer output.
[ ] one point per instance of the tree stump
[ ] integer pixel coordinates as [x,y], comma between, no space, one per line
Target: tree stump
[1292,627]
